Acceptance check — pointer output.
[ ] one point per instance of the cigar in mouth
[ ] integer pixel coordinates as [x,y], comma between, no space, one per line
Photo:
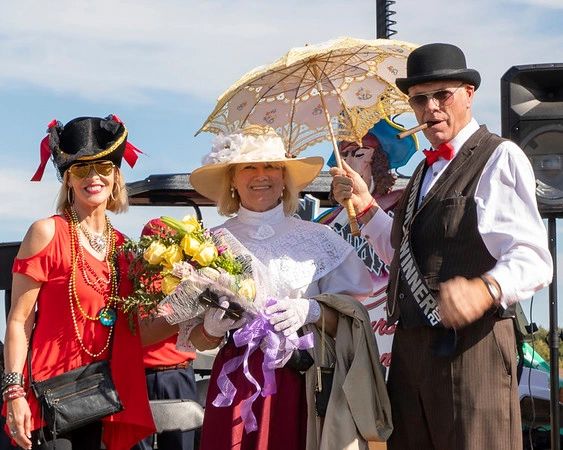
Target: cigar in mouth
[404,134]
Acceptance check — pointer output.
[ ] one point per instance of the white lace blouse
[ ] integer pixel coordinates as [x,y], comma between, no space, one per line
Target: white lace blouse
[301,258]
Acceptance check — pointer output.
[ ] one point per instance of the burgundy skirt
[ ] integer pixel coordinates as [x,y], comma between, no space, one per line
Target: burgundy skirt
[281,418]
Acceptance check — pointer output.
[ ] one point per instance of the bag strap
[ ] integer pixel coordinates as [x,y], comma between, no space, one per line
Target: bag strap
[323,343]
[408,268]
[31,381]
[29,354]
[323,349]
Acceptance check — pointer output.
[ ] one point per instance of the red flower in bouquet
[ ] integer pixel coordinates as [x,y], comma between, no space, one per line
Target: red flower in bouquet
[173,251]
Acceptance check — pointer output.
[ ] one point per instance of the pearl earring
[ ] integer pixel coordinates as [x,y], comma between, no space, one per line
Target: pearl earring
[232,192]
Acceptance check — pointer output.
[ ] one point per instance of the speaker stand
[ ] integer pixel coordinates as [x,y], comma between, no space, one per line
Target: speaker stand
[553,338]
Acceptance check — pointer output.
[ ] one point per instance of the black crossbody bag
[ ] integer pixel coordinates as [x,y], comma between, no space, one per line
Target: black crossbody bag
[76,398]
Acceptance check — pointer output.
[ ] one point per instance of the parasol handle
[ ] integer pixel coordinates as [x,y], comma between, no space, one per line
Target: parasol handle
[354,228]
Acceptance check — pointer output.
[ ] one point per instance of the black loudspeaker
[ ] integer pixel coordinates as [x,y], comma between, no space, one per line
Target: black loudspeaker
[532,116]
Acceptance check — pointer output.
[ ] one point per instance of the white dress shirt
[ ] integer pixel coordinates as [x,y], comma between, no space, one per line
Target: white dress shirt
[507,218]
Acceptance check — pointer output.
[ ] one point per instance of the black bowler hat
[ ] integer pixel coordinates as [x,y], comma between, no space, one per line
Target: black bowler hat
[435,62]
[85,139]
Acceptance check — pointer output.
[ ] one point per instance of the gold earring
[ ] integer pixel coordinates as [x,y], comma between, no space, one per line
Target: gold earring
[70,195]
[115,192]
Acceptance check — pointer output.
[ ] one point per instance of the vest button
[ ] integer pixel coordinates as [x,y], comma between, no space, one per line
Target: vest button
[401,296]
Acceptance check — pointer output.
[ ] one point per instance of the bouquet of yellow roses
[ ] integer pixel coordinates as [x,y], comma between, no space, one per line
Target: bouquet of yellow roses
[178,268]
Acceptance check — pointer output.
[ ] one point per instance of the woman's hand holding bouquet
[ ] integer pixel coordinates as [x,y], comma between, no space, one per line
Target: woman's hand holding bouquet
[175,262]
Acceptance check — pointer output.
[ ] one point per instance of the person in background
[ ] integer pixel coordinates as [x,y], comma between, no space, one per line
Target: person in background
[375,161]
[466,242]
[66,278]
[169,375]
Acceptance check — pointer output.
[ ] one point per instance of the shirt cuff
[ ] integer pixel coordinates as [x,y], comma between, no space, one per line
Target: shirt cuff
[503,278]
[378,224]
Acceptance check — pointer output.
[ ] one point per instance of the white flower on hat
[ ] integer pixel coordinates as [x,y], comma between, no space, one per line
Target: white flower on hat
[240,147]
[224,149]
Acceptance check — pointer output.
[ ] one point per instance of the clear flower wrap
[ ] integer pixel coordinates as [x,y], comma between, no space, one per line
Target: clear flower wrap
[178,262]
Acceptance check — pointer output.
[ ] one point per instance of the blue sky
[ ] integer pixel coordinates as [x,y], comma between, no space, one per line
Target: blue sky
[161,65]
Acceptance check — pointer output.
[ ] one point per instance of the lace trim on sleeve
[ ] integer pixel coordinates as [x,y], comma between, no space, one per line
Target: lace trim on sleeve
[183,342]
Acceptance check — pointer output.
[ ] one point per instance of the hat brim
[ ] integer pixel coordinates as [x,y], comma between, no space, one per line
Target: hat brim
[469,76]
[209,180]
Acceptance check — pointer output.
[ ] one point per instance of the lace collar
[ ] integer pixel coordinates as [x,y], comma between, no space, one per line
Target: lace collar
[260,223]
[271,217]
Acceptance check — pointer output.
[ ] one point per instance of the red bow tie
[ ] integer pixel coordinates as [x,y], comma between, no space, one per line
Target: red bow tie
[445,151]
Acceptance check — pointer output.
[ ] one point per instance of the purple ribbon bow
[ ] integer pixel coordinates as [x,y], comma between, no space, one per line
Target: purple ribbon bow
[276,348]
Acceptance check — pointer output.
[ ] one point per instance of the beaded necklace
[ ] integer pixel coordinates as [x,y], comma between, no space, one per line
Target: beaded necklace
[107,314]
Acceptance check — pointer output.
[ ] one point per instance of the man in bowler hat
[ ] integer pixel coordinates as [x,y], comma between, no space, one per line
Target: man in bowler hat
[465,244]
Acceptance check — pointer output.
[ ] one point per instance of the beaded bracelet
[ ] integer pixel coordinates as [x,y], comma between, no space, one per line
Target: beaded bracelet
[364,211]
[12,392]
[12,378]
[12,388]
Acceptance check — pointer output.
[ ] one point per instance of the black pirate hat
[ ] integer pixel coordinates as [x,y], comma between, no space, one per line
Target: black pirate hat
[435,62]
[85,139]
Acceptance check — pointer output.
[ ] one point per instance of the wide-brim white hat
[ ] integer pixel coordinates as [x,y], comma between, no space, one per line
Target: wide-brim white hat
[244,147]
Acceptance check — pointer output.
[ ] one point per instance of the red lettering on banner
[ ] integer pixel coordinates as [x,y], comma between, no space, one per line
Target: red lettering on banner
[375,304]
[380,327]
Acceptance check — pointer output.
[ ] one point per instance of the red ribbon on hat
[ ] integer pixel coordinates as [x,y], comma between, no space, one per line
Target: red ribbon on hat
[44,153]
[445,151]
[131,153]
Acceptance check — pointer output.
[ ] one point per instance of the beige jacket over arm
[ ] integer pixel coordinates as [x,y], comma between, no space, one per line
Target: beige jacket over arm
[359,409]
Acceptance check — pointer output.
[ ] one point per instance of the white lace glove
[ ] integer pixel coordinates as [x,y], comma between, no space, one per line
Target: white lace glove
[290,314]
[216,324]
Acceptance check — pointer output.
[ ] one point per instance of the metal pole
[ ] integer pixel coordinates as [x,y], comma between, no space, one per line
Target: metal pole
[383,19]
[553,339]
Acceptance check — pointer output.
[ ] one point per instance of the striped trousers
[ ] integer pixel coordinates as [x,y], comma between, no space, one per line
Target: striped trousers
[467,401]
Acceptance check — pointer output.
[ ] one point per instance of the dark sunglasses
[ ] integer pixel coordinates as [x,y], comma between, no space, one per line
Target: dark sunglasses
[443,97]
[82,170]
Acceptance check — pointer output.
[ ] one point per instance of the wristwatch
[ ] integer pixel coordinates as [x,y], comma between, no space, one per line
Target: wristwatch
[492,288]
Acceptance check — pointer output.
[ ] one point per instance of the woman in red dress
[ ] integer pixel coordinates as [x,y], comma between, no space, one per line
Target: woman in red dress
[67,277]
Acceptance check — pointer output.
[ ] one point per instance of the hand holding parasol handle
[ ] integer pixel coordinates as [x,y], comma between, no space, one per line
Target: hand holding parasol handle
[354,228]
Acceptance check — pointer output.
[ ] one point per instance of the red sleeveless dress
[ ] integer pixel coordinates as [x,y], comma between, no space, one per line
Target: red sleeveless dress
[55,348]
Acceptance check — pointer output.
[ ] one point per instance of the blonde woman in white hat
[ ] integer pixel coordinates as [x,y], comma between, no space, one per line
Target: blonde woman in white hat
[252,180]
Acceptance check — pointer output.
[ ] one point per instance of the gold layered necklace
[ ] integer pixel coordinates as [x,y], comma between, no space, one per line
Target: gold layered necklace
[107,314]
